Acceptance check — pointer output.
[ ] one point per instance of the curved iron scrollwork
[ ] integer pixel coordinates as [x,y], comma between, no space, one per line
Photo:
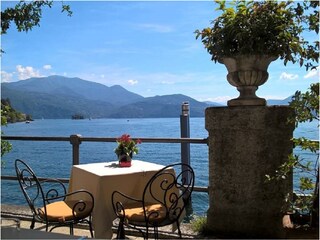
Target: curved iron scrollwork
[162,202]
[40,194]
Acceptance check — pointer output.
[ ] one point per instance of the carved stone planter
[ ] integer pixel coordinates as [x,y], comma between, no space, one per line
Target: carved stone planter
[247,73]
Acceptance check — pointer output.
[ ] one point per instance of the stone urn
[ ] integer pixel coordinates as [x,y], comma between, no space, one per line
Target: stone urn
[247,73]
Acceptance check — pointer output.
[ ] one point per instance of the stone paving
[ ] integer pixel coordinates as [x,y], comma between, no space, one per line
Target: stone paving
[84,233]
[23,213]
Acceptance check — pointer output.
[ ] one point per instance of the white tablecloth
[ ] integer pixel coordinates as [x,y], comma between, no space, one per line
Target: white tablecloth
[102,179]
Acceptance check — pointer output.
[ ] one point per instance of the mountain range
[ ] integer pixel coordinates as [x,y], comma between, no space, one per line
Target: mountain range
[61,97]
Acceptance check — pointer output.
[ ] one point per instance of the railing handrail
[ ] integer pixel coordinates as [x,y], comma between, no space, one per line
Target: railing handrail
[113,139]
[76,140]
[108,139]
[66,180]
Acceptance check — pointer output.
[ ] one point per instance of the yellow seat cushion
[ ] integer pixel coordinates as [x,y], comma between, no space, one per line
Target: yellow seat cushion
[62,211]
[134,212]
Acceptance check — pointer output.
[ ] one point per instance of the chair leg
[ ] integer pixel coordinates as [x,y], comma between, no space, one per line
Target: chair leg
[147,233]
[71,229]
[121,233]
[179,231]
[90,228]
[156,235]
[32,223]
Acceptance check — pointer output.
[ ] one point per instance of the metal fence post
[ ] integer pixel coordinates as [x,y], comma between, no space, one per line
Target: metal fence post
[75,140]
[185,133]
[185,147]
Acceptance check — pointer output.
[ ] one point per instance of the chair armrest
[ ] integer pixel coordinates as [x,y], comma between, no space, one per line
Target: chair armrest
[53,188]
[81,202]
[86,194]
[82,193]
[117,200]
[84,204]
[121,195]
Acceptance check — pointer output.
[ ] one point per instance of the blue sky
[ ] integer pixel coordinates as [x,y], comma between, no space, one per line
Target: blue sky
[147,47]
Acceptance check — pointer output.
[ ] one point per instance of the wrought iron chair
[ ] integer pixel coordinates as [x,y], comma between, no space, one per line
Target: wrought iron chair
[50,203]
[162,203]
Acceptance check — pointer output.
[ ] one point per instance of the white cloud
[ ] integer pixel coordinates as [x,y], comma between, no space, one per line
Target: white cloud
[27,72]
[288,76]
[156,27]
[132,82]
[274,97]
[47,67]
[220,99]
[167,82]
[6,77]
[312,73]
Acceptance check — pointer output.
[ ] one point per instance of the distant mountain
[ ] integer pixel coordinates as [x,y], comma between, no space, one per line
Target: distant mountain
[214,104]
[279,102]
[270,102]
[62,97]
[43,105]
[76,88]
[167,105]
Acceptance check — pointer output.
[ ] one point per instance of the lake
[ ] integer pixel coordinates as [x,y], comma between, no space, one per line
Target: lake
[54,159]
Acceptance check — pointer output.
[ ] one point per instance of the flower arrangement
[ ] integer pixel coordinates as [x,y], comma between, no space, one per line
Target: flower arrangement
[126,146]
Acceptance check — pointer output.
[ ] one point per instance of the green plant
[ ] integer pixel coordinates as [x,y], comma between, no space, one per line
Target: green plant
[126,145]
[272,28]
[306,107]
[5,145]
[199,224]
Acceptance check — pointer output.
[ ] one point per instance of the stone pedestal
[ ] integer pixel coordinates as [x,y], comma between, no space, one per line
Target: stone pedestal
[245,144]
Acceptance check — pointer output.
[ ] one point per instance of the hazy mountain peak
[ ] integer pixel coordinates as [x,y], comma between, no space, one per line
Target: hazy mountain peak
[61,97]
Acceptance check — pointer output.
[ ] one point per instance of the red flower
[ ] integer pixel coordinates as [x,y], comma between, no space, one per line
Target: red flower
[126,145]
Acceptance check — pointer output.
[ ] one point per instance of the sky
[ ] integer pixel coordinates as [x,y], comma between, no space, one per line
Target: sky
[147,47]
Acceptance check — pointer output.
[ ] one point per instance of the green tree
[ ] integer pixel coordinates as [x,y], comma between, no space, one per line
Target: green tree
[306,107]
[26,15]
[10,115]
[5,145]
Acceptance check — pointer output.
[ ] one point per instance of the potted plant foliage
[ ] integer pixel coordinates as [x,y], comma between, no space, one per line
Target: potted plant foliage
[249,35]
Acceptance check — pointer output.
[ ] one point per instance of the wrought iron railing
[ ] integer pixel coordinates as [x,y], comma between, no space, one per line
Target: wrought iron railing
[76,140]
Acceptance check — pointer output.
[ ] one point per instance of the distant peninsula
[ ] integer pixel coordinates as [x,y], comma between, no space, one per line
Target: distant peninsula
[11,115]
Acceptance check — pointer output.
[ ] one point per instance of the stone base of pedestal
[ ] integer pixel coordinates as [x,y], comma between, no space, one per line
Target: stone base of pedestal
[247,102]
[246,144]
[247,97]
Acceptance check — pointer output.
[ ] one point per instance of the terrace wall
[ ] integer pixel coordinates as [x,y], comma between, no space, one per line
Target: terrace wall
[245,144]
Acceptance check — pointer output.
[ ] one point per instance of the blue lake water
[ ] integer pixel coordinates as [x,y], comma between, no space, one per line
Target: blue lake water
[54,159]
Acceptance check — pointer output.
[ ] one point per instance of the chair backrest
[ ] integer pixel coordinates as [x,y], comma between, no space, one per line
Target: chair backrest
[35,191]
[171,188]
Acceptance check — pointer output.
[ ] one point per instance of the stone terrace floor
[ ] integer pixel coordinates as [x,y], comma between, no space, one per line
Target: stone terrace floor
[23,213]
